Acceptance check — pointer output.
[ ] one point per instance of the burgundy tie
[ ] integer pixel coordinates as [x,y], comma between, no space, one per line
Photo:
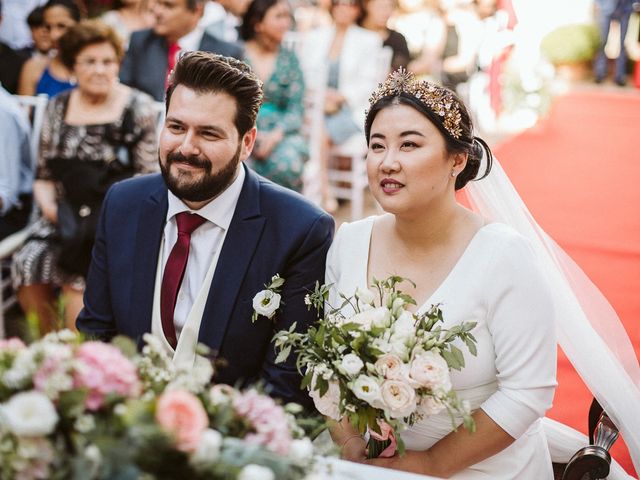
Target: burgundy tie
[174,48]
[174,272]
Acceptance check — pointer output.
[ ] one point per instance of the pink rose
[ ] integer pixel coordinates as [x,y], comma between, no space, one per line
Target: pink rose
[399,398]
[430,370]
[103,370]
[389,366]
[268,419]
[181,414]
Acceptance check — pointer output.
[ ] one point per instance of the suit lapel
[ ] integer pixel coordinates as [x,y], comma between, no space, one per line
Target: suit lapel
[151,223]
[238,248]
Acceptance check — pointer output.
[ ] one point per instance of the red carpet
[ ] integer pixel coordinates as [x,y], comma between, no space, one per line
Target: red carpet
[578,171]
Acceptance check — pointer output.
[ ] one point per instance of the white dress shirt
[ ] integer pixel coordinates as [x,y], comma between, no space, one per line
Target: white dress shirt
[192,40]
[205,242]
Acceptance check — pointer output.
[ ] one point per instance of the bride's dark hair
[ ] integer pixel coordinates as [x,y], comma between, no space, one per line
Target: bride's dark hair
[467,142]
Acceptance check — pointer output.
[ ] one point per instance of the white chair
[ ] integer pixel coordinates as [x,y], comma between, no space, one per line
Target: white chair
[160,109]
[35,109]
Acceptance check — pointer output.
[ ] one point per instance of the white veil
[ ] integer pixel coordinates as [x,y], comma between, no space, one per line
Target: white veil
[589,331]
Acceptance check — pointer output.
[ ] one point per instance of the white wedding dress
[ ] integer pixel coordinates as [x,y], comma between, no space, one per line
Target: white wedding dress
[497,283]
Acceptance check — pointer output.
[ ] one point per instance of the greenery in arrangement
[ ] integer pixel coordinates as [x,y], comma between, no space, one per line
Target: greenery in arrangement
[571,44]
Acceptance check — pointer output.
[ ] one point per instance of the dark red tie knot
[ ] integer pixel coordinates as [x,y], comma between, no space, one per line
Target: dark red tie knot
[188,222]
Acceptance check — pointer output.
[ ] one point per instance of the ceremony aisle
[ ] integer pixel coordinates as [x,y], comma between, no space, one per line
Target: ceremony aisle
[578,172]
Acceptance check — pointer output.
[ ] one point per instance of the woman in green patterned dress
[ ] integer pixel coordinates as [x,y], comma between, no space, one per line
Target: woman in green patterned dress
[281,150]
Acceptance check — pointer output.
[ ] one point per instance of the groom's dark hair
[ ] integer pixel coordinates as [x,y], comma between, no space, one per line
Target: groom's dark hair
[206,72]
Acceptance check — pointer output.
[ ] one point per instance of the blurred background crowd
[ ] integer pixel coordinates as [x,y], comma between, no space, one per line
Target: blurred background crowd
[98,70]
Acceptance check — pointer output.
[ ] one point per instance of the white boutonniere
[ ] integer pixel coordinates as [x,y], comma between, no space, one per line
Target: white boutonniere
[266,302]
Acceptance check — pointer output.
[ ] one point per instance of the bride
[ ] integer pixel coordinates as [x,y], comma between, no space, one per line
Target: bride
[478,268]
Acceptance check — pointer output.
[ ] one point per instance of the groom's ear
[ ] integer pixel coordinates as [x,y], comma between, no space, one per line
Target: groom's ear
[248,141]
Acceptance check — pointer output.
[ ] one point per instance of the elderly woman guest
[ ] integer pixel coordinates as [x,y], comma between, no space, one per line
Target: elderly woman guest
[98,133]
[347,61]
[281,150]
[421,150]
[50,75]
[376,18]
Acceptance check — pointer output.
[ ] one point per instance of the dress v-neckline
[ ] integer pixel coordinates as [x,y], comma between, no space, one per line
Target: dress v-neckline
[447,277]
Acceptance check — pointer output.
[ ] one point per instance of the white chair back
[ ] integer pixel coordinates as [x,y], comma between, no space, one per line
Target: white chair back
[160,109]
[35,107]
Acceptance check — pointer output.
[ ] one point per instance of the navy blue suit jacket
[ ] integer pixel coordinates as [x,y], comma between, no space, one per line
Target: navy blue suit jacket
[273,230]
[145,64]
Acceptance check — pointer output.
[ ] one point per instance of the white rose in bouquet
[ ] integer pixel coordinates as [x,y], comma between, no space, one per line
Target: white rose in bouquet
[399,398]
[367,389]
[399,347]
[256,472]
[365,296]
[266,303]
[351,364]
[390,366]
[377,317]
[29,414]
[430,370]
[405,325]
[208,449]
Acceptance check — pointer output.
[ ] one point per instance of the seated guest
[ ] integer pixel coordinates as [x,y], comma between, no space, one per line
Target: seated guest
[376,18]
[11,63]
[152,52]
[40,34]
[16,169]
[281,150]
[44,75]
[92,136]
[346,60]
[128,16]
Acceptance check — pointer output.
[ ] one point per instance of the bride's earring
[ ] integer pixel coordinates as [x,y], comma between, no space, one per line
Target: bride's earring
[453,173]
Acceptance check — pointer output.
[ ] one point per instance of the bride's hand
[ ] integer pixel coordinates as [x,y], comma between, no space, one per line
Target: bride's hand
[354,449]
[412,461]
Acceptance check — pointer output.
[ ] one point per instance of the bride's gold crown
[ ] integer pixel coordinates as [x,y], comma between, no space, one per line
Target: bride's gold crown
[438,99]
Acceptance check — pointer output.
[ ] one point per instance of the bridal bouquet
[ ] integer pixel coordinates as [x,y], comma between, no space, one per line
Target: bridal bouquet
[89,410]
[373,361]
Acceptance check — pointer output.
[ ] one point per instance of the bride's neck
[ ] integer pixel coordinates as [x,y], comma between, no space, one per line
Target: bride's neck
[423,229]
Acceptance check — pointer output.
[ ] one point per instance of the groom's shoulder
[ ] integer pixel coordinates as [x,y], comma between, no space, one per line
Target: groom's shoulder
[138,186]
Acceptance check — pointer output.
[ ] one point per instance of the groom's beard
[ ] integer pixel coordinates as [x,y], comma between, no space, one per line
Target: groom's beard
[208,186]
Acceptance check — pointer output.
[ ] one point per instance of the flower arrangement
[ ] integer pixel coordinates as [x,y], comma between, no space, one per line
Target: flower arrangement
[373,361]
[90,410]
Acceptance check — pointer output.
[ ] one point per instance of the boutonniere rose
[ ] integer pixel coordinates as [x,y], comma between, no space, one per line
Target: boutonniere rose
[266,302]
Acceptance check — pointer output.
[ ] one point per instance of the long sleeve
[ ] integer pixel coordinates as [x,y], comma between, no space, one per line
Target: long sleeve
[16,169]
[521,323]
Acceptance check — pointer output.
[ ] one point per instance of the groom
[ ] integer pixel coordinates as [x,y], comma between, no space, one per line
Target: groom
[183,254]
